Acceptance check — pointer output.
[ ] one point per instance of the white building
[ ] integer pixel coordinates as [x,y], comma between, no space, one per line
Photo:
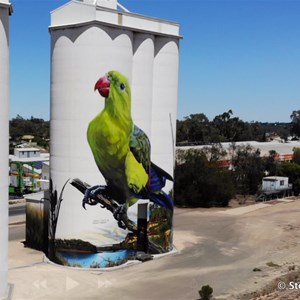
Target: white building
[30,162]
[272,183]
[274,187]
[27,152]
[284,150]
[46,170]
[29,155]
[5,11]
[45,176]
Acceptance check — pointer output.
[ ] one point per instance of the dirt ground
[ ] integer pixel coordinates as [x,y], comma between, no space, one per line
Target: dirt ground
[279,278]
[245,252]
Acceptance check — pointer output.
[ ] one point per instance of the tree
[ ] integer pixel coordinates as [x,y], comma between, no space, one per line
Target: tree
[292,171]
[206,292]
[197,129]
[214,153]
[200,182]
[296,186]
[296,155]
[295,124]
[270,164]
[220,122]
[231,129]
[194,128]
[37,127]
[248,169]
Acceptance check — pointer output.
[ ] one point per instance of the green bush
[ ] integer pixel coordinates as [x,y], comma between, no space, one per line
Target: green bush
[200,182]
[206,292]
[292,171]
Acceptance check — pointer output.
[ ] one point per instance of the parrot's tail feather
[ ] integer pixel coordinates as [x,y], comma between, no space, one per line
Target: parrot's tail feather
[162,199]
[157,180]
[154,190]
[160,172]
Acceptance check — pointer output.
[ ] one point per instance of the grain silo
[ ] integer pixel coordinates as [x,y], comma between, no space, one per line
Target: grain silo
[88,39]
[5,10]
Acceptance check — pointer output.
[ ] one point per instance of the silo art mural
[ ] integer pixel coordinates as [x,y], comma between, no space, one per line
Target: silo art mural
[111,170]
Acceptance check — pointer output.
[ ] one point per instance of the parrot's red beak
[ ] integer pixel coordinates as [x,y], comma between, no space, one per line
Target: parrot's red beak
[102,85]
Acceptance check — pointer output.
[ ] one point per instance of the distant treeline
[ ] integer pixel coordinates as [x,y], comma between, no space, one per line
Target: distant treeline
[197,129]
[38,128]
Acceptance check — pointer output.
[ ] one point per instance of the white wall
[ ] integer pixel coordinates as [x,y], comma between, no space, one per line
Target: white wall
[142,81]
[4,179]
[164,106]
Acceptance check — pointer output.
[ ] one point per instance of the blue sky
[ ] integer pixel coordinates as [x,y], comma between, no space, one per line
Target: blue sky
[242,55]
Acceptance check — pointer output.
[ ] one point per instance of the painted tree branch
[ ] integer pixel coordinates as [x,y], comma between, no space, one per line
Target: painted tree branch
[108,203]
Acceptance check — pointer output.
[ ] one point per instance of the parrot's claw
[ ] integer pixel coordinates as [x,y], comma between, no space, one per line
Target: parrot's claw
[90,195]
[89,202]
[120,214]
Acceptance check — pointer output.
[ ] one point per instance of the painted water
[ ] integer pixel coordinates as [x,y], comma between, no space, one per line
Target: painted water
[95,260]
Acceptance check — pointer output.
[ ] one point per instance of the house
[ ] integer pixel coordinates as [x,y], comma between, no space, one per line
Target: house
[274,187]
[27,152]
[273,183]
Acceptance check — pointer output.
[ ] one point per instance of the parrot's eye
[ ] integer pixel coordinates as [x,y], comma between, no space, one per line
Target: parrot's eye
[122,86]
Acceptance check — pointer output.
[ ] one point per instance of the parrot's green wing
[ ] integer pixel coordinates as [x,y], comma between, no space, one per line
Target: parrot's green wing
[140,147]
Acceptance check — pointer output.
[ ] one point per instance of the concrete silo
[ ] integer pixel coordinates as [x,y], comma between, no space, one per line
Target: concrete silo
[88,39]
[5,11]
[164,108]
[142,79]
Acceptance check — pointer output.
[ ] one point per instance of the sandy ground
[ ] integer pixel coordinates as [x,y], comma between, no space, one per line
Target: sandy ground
[270,233]
[277,267]
[242,252]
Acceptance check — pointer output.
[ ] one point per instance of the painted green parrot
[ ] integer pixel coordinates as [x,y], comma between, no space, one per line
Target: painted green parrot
[122,150]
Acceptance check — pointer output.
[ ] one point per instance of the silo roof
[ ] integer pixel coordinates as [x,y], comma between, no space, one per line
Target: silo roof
[6,4]
[75,13]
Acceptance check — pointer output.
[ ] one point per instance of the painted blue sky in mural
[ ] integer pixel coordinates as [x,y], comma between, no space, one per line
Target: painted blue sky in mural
[242,55]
